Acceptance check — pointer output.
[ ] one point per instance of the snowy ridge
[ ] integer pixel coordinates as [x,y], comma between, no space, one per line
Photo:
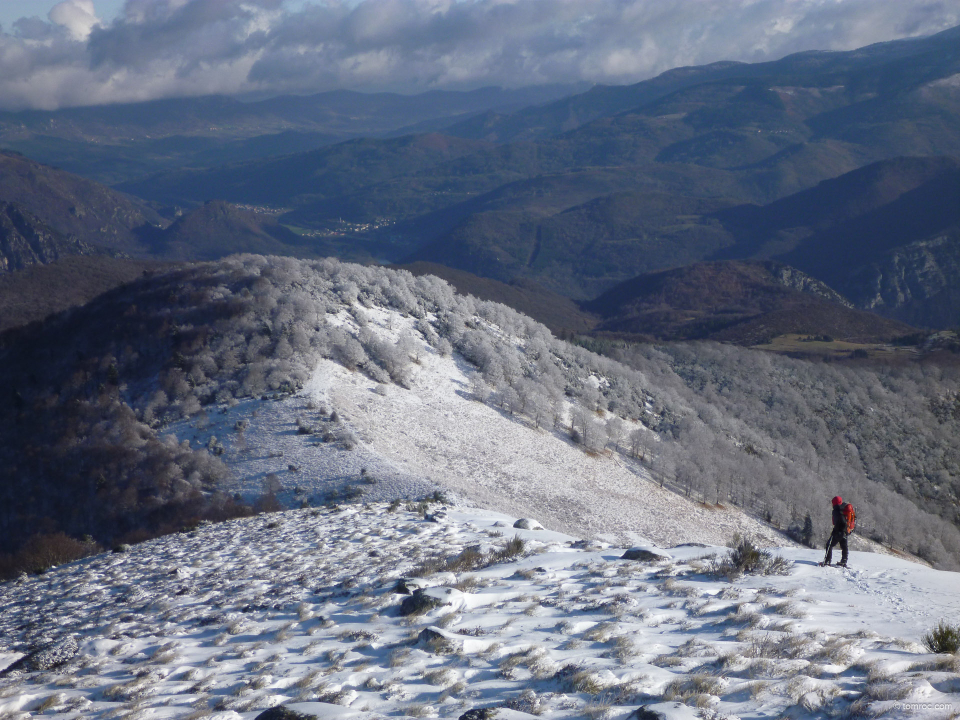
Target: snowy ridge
[437,430]
[324,381]
[301,608]
[433,434]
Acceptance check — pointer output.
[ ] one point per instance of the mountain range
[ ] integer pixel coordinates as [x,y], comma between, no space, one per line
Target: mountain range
[586,247]
[113,143]
[893,223]
[716,162]
[749,303]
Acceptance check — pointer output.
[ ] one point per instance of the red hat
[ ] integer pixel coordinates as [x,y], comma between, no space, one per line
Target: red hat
[837,500]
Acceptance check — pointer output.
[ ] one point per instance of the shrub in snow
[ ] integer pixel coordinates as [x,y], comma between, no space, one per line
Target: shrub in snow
[49,656]
[304,427]
[436,642]
[641,554]
[528,703]
[347,438]
[470,558]
[747,558]
[283,713]
[479,714]
[944,638]
[693,688]
[589,682]
[436,517]
[419,603]
[515,546]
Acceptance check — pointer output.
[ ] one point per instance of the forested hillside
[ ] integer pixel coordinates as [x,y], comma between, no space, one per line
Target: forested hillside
[124,141]
[73,206]
[43,289]
[90,393]
[748,303]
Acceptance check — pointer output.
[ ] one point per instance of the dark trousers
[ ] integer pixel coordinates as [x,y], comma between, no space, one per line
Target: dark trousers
[838,536]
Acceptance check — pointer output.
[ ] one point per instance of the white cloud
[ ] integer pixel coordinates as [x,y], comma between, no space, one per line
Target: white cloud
[78,16]
[173,47]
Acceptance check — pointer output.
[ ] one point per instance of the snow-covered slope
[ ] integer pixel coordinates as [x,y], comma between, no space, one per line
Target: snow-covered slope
[301,608]
[434,434]
[438,431]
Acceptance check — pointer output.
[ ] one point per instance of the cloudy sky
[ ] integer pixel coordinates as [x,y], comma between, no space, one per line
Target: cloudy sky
[77,52]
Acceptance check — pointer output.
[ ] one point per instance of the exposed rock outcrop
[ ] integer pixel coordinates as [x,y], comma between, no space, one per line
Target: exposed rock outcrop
[25,240]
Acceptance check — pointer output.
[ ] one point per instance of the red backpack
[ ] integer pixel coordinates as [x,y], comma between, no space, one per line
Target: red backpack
[849,515]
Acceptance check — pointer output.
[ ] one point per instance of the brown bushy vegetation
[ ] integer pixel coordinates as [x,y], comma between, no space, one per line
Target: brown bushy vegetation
[41,290]
[45,551]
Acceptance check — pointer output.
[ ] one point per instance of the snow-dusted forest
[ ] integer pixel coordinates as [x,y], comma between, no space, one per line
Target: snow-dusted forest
[96,388]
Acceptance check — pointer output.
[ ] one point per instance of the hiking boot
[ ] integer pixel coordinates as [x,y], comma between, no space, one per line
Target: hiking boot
[842,563]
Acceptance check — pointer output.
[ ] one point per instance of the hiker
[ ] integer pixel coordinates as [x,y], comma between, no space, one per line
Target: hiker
[841,528]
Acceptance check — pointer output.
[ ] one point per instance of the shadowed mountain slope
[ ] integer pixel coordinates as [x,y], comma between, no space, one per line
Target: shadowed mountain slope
[748,303]
[218,228]
[887,236]
[43,289]
[585,249]
[305,177]
[74,206]
[919,190]
[926,211]
[557,312]
[46,214]
[26,241]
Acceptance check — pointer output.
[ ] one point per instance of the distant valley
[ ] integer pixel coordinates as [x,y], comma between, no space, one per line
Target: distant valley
[841,165]
[122,142]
